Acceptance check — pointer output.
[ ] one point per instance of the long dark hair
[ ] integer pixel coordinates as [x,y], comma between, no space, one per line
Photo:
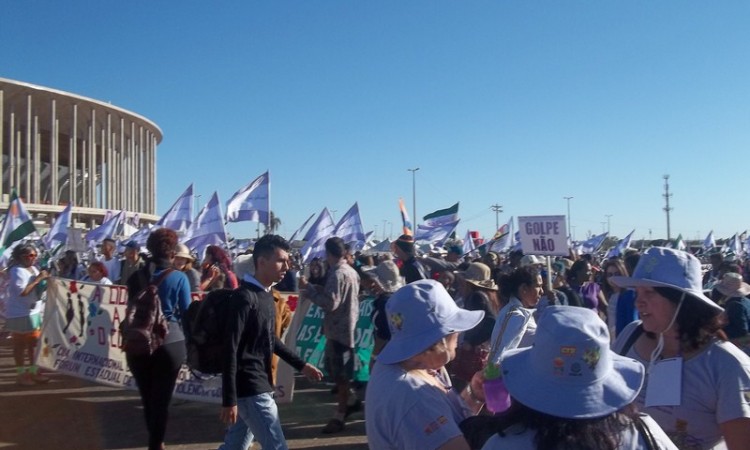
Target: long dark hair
[512,282]
[697,322]
[556,433]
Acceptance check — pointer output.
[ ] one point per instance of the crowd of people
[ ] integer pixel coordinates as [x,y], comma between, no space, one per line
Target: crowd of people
[646,350]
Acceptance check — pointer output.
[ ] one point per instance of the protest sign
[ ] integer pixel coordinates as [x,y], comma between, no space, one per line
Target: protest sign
[543,235]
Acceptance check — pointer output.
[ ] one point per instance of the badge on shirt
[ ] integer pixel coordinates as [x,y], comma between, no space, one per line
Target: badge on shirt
[665,383]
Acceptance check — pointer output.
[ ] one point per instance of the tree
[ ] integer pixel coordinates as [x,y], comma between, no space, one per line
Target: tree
[273,224]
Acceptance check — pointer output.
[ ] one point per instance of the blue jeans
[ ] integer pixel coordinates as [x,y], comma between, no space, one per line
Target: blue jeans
[258,418]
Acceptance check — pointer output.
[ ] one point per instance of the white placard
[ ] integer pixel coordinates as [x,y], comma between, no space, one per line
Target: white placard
[543,235]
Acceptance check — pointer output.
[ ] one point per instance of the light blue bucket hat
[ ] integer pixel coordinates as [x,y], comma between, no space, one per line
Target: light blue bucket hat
[419,315]
[667,267]
[570,372]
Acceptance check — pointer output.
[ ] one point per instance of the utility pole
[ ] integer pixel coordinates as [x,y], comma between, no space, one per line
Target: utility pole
[414,194]
[568,200]
[498,209]
[608,217]
[667,209]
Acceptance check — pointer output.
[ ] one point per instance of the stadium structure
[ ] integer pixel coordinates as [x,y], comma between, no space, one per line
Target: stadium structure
[60,148]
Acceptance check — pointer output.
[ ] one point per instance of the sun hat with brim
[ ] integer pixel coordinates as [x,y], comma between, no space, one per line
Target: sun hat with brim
[732,285]
[387,273]
[570,372]
[667,267]
[183,251]
[480,275]
[419,315]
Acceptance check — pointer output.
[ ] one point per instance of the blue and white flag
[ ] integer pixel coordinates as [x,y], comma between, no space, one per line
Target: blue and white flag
[58,234]
[141,236]
[107,230]
[441,217]
[709,242]
[592,244]
[734,245]
[180,216]
[208,227]
[350,228]
[252,202]
[435,234]
[619,249]
[299,230]
[469,247]
[316,237]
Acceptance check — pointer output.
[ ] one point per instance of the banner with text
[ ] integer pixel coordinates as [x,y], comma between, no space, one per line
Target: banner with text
[81,338]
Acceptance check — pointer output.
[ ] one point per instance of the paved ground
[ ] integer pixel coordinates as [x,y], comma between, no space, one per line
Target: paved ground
[69,413]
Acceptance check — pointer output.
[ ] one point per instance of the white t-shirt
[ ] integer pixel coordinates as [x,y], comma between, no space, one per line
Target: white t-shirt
[518,438]
[113,266]
[16,305]
[715,389]
[406,412]
[519,331]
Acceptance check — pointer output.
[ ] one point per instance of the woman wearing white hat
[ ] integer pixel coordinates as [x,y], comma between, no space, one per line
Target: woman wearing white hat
[410,402]
[570,391]
[697,387]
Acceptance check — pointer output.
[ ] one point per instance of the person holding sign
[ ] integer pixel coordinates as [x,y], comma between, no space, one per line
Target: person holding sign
[697,386]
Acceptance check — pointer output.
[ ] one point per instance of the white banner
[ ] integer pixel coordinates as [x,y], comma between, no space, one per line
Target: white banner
[81,338]
[543,235]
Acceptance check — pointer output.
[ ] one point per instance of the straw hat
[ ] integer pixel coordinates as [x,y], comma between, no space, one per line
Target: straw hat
[183,252]
[732,285]
[480,275]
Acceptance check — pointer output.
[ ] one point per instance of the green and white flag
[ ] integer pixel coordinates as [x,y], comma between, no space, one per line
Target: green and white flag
[441,217]
[18,224]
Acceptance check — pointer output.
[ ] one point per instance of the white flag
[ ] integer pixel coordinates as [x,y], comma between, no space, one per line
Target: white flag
[208,227]
[251,203]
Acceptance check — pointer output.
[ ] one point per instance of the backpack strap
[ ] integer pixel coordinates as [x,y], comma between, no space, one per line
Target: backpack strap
[637,332]
[645,432]
[499,338]
[162,276]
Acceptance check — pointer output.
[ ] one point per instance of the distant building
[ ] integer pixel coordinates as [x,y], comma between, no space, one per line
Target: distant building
[60,148]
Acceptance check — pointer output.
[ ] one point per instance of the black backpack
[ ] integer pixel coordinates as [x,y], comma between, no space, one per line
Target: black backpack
[144,328]
[206,321]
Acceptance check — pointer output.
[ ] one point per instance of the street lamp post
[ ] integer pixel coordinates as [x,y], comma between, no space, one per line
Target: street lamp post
[608,216]
[385,222]
[414,194]
[570,236]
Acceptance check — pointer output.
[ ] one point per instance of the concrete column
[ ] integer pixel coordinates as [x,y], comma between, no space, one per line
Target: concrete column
[27,160]
[2,142]
[74,159]
[55,157]
[36,185]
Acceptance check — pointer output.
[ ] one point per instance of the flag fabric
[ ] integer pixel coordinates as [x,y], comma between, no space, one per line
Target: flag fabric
[135,220]
[207,228]
[350,228]
[735,245]
[180,216]
[502,240]
[59,231]
[435,234]
[709,242]
[107,230]
[252,202]
[469,246]
[679,244]
[621,246]
[299,230]
[407,226]
[18,224]
[442,217]
[592,244]
[141,236]
[316,237]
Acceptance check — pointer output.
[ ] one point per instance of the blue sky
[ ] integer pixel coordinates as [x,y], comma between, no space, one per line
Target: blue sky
[497,102]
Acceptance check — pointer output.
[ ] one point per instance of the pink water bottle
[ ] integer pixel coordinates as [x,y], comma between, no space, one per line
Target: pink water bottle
[496,394]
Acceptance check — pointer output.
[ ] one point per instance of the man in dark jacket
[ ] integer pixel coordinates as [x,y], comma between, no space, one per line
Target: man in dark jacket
[250,342]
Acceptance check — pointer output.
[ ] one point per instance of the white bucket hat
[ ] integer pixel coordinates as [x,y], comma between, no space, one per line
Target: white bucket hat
[570,372]
[732,285]
[419,315]
[667,267]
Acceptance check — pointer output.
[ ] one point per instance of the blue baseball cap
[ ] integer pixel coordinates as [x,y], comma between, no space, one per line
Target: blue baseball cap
[419,315]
